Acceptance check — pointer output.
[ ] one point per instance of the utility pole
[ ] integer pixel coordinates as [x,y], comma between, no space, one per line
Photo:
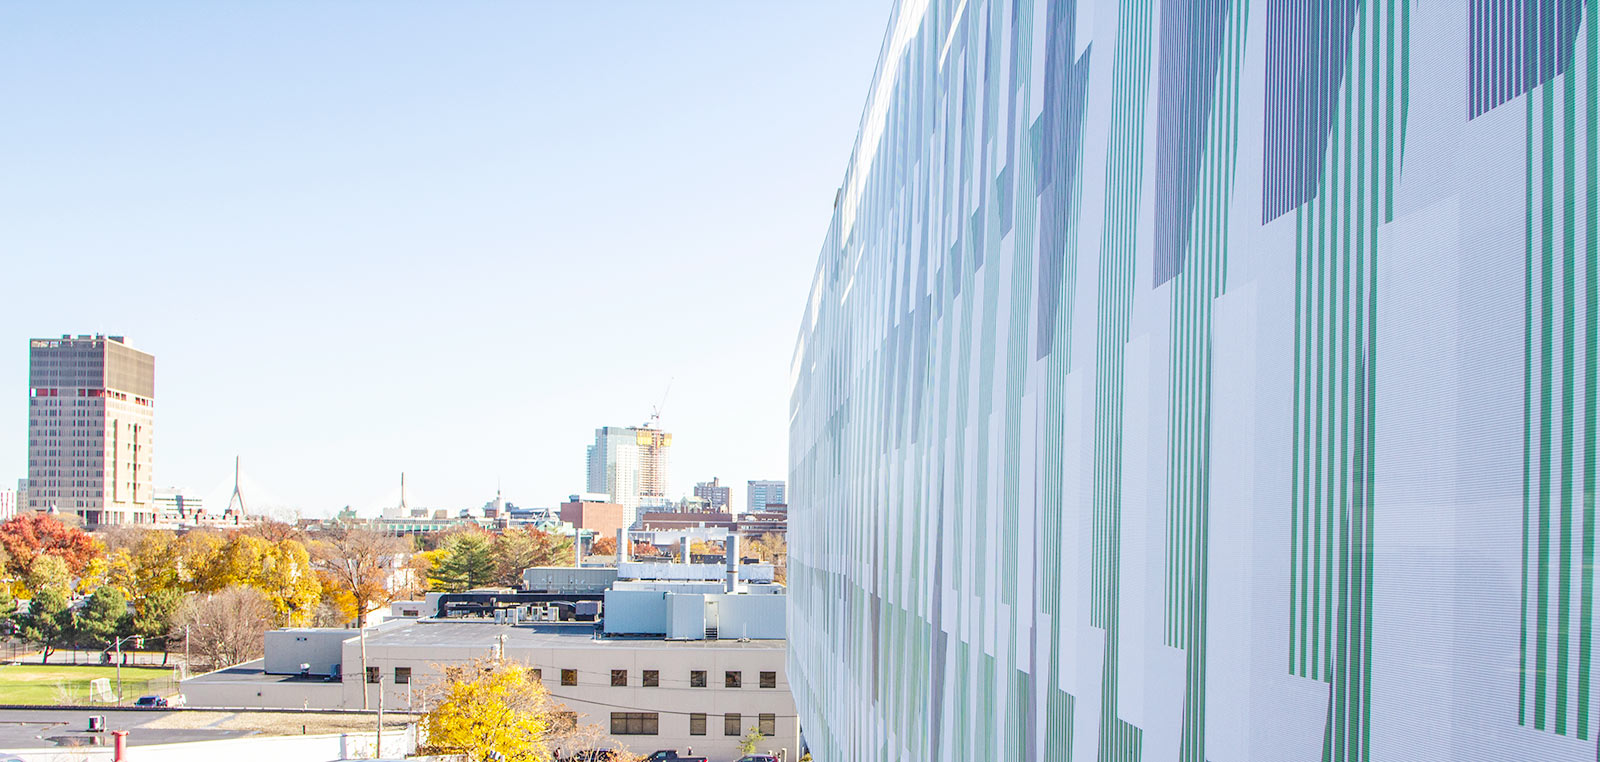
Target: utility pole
[364,705]
[119,671]
[186,650]
[377,751]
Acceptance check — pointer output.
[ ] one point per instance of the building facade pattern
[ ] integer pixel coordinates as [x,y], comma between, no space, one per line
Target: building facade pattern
[91,403]
[761,493]
[1206,381]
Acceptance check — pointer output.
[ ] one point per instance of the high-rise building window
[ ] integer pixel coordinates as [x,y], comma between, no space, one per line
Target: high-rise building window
[733,679]
[697,724]
[372,674]
[536,675]
[650,678]
[730,724]
[769,679]
[697,678]
[619,678]
[402,675]
[767,723]
[569,677]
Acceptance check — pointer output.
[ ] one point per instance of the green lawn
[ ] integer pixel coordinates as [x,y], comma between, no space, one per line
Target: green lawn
[43,684]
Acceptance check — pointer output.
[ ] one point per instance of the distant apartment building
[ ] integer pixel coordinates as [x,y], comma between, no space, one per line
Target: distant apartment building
[8,503]
[715,495]
[593,512]
[630,464]
[765,495]
[91,406]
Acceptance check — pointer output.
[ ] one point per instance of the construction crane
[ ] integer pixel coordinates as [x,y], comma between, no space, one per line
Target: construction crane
[655,412]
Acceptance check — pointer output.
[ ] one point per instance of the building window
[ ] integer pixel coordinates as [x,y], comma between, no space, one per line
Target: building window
[769,679]
[697,724]
[730,724]
[619,678]
[697,678]
[651,678]
[372,674]
[767,724]
[402,675]
[635,724]
[536,675]
[733,679]
[569,677]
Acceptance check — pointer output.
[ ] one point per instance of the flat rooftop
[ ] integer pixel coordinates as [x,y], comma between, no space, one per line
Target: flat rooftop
[433,633]
[255,672]
[45,728]
[478,633]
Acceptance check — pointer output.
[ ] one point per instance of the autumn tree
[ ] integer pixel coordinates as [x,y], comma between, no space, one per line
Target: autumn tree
[47,572]
[144,563]
[363,565]
[704,548]
[520,548]
[30,535]
[237,561]
[467,563]
[225,627]
[491,709]
[290,583]
[193,553]
[48,622]
[276,531]
[772,548]
[645,549]
[605,546]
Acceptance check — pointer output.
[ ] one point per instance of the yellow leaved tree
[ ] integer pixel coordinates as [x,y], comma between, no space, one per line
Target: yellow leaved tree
[493,709]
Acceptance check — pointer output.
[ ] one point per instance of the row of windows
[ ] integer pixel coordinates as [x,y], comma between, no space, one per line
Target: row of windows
[649,724]
[649,678]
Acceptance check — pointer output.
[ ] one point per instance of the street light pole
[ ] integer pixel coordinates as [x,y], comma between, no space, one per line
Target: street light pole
[137,640]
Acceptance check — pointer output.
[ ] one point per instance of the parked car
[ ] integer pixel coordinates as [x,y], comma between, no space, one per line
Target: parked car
[758,758]
[152,701]
[671,755]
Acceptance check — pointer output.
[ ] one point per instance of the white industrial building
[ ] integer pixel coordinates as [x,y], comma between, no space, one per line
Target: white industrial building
[660,655]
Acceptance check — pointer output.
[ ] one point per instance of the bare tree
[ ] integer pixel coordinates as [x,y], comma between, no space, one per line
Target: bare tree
[225,627]
[370,566]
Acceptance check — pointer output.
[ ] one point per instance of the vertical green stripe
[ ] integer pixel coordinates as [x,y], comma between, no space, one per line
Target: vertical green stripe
[1591,379]
[1568,313]
[1541,647]
[1527,405]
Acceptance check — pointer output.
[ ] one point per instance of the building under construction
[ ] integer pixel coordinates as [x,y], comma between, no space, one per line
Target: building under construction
[630,464]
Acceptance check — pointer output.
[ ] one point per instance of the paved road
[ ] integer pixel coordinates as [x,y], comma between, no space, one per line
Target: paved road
[34,728]
[38,728]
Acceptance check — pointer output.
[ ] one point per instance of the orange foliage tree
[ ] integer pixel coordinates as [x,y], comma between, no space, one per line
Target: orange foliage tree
[34,534]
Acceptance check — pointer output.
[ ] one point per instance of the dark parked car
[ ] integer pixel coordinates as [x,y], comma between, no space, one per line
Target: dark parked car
[671,755]
[758,758]
[151,701]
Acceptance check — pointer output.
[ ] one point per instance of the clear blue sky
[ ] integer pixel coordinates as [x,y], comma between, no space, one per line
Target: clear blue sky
[444,238]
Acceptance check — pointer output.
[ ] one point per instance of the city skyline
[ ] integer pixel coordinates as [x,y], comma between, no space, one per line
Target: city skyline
[403,257]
